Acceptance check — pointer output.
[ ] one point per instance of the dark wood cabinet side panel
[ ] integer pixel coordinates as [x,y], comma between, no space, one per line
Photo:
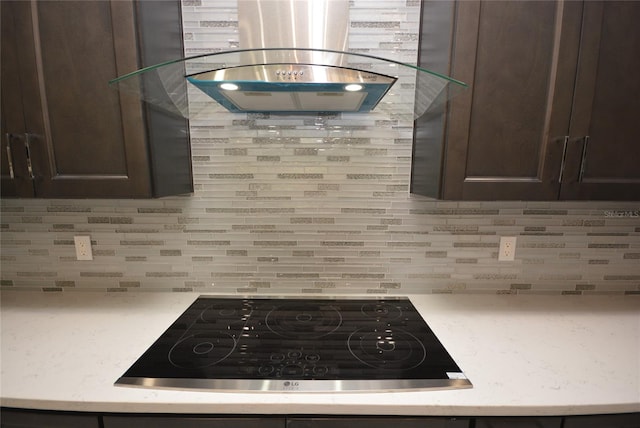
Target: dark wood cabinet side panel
[161,39]
[436,18]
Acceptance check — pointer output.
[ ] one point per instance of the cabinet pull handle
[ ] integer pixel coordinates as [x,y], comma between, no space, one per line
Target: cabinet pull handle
[564,157]
[10,156]
[27,145]
[583,160]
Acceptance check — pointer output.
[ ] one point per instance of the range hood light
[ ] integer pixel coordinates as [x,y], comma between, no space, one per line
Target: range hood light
[353,87]
[229,86]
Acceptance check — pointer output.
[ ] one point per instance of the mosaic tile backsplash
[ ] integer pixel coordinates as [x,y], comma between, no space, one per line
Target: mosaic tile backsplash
[306,204]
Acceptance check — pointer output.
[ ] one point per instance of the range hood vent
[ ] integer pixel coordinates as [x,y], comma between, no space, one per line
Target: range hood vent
[304,85]
[293,88]
[293,61]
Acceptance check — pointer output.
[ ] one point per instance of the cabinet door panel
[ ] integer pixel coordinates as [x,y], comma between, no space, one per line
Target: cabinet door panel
[86,138]
[606,106]
[519,422]
[24,419]
[75,87]
[379,422]
[190,422]
[506,134]
[630,420]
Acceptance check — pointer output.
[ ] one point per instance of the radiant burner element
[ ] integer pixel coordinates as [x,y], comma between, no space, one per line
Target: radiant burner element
[221,314]
[201,350]
[297,345]
[303,321]
[387,349]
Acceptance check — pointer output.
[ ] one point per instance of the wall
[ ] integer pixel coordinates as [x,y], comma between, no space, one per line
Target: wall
[317,205]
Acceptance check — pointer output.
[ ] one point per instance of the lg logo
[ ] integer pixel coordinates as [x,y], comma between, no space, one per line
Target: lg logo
[290,385]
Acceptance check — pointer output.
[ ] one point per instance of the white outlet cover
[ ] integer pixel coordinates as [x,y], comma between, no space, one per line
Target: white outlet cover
[83,247]
[507,251]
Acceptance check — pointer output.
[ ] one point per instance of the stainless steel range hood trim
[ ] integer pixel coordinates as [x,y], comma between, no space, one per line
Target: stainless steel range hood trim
[293,88]
[294,385]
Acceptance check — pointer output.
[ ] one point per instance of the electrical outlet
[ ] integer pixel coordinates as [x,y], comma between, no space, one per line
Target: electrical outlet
[83,247]
[507,250]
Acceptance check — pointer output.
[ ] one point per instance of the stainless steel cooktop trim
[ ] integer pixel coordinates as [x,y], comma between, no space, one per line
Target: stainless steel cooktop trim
[292,385]
[301,297]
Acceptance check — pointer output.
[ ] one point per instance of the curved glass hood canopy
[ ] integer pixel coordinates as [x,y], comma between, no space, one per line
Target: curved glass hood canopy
[289,81]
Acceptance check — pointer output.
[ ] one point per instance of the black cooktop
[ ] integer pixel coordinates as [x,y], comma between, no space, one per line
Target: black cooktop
[297,344]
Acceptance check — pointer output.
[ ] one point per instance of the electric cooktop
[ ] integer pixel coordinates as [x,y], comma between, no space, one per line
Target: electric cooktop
[297,344]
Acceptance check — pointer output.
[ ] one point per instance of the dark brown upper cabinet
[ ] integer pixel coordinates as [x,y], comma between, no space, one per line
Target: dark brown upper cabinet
[553,104]
[65,132]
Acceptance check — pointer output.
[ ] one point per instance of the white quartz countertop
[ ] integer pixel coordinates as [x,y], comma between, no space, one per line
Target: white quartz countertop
[525,355]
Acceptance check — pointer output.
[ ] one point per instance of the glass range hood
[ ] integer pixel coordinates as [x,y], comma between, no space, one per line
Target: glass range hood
[289,81]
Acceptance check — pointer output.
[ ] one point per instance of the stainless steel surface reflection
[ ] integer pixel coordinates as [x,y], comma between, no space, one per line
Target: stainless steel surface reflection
[311,386]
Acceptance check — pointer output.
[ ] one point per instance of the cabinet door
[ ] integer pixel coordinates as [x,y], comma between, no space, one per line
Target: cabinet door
[191,422]
[603,157]
[86,138]
[377,422]
[519,422]
[25,419]
[506,133]
[630,420]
